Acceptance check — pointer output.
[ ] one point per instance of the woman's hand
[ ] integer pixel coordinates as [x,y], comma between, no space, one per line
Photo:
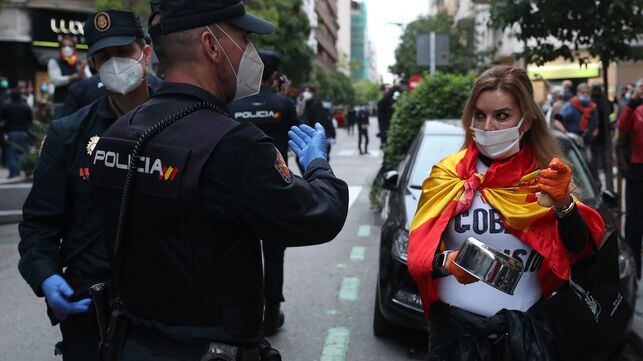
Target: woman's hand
[555,181]
[461,275]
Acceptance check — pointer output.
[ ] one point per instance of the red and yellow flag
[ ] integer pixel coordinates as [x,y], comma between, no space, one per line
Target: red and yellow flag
[510,187]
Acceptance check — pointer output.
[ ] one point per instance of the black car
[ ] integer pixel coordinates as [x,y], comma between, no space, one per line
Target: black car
[397,303]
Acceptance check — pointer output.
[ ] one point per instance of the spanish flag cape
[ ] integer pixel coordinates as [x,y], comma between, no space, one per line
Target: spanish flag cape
[510,187]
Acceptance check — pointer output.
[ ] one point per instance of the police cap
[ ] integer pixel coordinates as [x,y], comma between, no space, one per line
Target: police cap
[109,28]
[270,59]
[179,15]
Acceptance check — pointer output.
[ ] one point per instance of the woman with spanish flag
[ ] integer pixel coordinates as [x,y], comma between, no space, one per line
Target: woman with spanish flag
[493,190]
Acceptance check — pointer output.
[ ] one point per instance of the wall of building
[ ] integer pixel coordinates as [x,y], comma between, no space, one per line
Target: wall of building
[344,36]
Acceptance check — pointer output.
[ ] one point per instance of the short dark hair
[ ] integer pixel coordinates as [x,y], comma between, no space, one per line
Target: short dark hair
[169,48]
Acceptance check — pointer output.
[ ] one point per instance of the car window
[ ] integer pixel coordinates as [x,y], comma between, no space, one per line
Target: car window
[582,185]
[432,149]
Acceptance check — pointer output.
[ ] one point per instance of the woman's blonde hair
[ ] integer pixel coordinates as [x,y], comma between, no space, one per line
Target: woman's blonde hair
[515,81]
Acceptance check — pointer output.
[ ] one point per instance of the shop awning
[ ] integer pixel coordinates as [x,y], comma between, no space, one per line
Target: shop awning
[564,71]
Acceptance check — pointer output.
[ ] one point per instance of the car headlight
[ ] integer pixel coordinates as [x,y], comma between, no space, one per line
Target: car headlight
[400,246]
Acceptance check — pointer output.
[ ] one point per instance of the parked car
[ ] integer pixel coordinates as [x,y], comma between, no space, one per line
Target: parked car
[397,303]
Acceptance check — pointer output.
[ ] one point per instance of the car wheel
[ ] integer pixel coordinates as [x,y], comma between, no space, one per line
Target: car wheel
[381,326]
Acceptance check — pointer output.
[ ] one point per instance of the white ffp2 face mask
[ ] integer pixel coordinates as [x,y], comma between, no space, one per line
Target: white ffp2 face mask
[250,69]
[498,144]
[122,75]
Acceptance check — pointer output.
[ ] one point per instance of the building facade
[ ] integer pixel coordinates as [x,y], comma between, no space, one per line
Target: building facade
[359,41]
[344,36]
[30,31]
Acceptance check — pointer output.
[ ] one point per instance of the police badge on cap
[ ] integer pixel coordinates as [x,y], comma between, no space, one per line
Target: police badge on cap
[102,21]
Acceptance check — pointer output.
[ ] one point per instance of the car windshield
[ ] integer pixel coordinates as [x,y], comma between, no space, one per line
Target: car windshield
[432,149]
[435,147]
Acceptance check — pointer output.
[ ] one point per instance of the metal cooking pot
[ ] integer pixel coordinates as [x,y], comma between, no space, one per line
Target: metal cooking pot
[489,265]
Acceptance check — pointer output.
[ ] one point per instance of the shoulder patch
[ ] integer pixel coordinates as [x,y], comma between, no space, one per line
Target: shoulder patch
[282,168]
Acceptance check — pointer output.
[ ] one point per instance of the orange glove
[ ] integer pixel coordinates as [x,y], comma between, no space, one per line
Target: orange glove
[555,181]
[461,275]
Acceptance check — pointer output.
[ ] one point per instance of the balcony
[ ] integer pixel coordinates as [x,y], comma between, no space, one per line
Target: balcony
[328,17]
[326,44]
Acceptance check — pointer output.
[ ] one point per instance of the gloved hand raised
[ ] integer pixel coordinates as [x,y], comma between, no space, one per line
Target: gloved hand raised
[57,292]
[555,182]
[308,143]
[461,275]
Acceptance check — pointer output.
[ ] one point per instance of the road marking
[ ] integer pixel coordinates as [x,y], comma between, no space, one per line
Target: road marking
[346,152]
[336,344]
[341,265]
[357,254]
[350,289]
[353,193]
[364,230]
[374,153]
[331,312]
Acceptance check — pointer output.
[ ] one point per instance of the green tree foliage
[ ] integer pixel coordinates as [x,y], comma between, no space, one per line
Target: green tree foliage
[366,91]
[605,28]
[462,56]
[441,96]
[289,38]
[337,87]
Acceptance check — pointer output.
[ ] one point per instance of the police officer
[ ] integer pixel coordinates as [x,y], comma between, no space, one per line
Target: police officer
[204,189]
[61,249]
[274,114]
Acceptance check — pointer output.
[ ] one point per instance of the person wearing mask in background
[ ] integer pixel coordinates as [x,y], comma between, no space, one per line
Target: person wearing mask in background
[61,250]
[352,120]
[362,129]
[568,90]
[64,70]
[630,156]
[556,104]
[275,115]
[4,99]
[579,115]
[316,112]
[18,120]
[598,160]
[187,263]
[509,155]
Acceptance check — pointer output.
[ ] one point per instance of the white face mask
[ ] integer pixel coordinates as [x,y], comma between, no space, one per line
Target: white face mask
[68,51]
[498,144]
[307,95]
[122,75]
[250,68]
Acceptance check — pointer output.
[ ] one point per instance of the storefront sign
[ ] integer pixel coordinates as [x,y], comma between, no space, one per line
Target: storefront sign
[49,27]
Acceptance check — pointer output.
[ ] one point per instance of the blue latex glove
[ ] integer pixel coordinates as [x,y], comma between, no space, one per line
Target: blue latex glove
[57,291]
[308,143]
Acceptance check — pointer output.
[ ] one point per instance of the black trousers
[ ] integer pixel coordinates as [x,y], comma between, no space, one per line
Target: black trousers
[273,257]
[363,134]
[634,212]
[80,337]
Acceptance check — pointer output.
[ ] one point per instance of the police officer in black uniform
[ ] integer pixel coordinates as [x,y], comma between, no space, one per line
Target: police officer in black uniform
[61,249]
[202,190]
[274,114]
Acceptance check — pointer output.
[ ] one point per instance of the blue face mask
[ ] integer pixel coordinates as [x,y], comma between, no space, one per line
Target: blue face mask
[584,99]
[4,84]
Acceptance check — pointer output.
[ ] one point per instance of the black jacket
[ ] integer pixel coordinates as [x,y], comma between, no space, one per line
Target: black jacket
[17,116]
[246,196]
[60,227]
[316,113]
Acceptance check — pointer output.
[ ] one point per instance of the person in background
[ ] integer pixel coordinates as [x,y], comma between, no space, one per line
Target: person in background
[568,91]
[630,155]
[351,120]
[4,99]
[598,160]
[64,70]
[362,128]
[556,104]
[580,116]
[316,112]
[18,120]
[275,115]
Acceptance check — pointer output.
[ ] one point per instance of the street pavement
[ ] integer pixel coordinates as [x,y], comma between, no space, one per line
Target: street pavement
[329,289]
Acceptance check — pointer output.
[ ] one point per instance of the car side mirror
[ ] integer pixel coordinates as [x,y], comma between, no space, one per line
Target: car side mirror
[610,199]
[390,180]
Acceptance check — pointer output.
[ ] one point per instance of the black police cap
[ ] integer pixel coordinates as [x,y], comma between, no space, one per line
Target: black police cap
[270,59]
[109,28]
[178,15]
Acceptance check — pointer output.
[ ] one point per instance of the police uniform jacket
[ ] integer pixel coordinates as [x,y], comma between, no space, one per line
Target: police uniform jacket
[60,228]
[272,113]
[191,256]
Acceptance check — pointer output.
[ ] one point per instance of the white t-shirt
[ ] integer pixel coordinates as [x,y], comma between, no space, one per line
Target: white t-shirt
[483,222]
